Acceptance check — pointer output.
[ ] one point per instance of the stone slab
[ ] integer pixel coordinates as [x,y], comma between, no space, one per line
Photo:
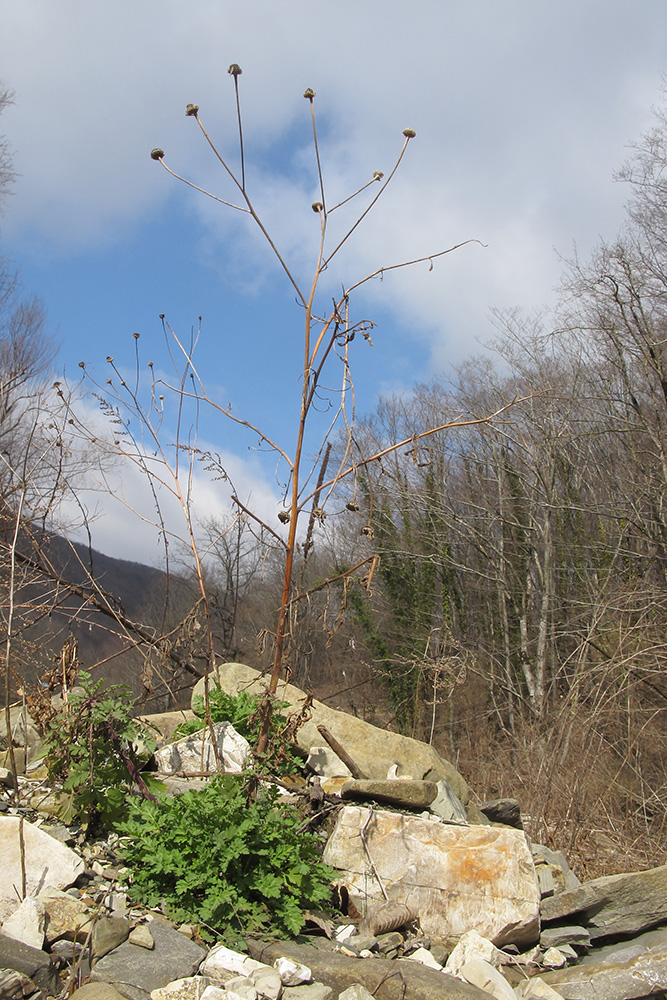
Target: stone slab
[48,863]
[385,979]
[135,972]
[404,793]
[643,976]
[614,904]
[456,878]
[30,962]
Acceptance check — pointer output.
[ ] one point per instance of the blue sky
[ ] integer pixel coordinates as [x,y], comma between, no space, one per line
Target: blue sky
[523,110]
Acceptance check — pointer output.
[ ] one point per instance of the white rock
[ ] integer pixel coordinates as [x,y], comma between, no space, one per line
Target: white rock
[554,959]
[424,957]
[536,989]
[195,753]
[356,992]
[473,945]
[48,863]
[267,983]
[190,988]
[457,877]
[345,932]
[221,959]
[27,923]
[242,986]
[482,974]
[217,993]
[292,973]
[326,763]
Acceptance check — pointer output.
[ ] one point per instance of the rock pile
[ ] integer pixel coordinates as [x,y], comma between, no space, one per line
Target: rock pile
[444,898]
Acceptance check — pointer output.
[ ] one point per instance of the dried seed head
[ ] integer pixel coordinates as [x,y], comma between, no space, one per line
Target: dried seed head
[283,517]
[161,316]
[136,336]
[309,94]
[157,154]
[368,531]
[150,364]
[191,110]
[409,133]
[317,206]
[319,513]
[377,175]
[352,505]
[82,364]
[235,70]
[109,359]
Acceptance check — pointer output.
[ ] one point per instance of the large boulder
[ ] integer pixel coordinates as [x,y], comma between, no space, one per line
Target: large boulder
[374,750]
[456,878]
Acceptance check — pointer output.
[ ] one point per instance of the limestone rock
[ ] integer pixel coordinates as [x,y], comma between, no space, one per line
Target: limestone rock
[473,945]
[326,763]
[614,904]
[48,863]
[356,992]
[456,878]
[193,754]
[385,979]
[313,991]
[424,956]
[134,972]
[27,923]
[189,988]
[224,960]
[544,855]
[477,972]
[142,937]
[241,986]
[30,962]
[163,725]
[536,989]
[374,750]
[267,983]
[622,951]
[67,917]
[292,973]
[404,793]
[643,976]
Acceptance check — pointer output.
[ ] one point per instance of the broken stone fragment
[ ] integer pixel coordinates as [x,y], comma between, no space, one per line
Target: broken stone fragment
[195,754]
[505,811]
[47,862]
[473,945]
[27,923]
[554,937]
[482,974]
[189,988]
[643,976]
[141,937]
[292,973]
[222,960]
[456,878]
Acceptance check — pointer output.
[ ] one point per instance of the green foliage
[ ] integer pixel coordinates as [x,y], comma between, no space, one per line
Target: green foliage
[235,867]
[90,754]
[242,710]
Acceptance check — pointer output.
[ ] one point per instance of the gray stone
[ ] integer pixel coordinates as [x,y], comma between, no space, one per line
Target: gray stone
[109,933]
[536,989]
[447,805]
[163,725]
[373,750]
[546,880]
[142,937]
[312,991]
[48,864]
[614,904]
[554,937]
[643,976]
[190,988]
[622,951]
[135,971]
[356,992]
[506,811]
[30,962]
[455,878]
[67,951]
[96,991]
[544,855]
[385,979]
[404,793]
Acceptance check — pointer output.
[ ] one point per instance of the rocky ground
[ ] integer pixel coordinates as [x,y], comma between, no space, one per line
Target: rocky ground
[441,896]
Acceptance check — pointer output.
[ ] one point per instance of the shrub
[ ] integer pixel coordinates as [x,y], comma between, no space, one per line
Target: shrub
[234,867]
